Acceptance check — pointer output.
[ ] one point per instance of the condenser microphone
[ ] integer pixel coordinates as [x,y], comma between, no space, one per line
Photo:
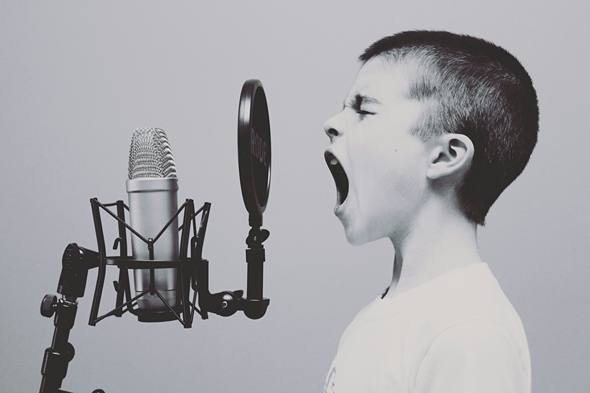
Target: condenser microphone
[152,187]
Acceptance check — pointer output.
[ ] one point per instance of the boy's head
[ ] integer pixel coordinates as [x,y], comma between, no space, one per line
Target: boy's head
[466,87]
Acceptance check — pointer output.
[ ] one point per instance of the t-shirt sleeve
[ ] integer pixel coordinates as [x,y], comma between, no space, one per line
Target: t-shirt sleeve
[472,357]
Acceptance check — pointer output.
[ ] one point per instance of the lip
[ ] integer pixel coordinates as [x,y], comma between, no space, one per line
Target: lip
[339,176]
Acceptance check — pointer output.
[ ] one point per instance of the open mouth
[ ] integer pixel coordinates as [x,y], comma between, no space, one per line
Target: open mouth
[339,176]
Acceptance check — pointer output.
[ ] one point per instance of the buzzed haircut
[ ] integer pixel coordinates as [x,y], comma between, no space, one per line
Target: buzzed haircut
[473,87]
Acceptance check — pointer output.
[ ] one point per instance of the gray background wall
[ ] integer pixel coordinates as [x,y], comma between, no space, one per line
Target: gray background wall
[76,78]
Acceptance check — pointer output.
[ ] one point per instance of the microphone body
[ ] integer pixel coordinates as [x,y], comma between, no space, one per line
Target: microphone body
[152,188]
[152,203]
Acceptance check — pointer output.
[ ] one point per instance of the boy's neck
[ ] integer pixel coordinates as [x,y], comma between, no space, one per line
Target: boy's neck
[435,245]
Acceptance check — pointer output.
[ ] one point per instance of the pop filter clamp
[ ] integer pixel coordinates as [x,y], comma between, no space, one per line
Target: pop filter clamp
[254,159]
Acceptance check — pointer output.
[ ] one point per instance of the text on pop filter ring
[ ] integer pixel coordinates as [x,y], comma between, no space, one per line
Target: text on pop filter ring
[258,147]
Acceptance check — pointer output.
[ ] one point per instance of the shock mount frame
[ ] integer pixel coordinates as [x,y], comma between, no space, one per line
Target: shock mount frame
[193,274]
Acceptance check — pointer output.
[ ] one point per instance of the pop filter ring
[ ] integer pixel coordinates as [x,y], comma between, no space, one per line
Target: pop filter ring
[254,150]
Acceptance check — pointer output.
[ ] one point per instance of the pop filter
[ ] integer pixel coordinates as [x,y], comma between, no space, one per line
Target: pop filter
[254,156]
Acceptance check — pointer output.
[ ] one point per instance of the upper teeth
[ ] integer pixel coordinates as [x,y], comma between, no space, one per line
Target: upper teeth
[333,161]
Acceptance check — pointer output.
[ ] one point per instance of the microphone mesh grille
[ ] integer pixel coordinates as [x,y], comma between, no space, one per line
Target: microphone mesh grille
[150,154]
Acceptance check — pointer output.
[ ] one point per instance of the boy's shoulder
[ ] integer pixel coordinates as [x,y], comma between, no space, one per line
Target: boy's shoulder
[463,298]
[462,314]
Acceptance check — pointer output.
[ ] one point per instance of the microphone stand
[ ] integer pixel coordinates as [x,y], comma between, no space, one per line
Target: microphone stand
[76,262]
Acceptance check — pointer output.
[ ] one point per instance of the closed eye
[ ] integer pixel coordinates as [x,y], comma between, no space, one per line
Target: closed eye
[356,103]
[364,113]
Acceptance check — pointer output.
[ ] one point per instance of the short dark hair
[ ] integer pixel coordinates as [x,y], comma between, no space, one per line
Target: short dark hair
[471,87]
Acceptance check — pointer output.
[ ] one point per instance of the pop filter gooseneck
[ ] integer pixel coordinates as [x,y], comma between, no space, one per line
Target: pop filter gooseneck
[254,153]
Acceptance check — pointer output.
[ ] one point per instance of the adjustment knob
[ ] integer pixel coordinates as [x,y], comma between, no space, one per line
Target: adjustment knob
[48,305]
[69,352]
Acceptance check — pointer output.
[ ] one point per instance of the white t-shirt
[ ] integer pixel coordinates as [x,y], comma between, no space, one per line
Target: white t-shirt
[457,333]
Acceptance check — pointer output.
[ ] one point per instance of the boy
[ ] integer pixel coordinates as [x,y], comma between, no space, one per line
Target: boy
[434,128]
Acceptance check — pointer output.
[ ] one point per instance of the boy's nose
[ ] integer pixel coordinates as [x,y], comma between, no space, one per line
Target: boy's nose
[333,127]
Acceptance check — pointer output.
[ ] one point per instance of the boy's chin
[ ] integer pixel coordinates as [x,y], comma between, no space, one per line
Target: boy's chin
[354,237]
[356,229]
[359,235]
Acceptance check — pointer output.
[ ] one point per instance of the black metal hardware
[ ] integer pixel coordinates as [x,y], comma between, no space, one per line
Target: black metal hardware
[193,275]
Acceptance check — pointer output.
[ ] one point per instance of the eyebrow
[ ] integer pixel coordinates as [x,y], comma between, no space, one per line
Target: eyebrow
[358,100]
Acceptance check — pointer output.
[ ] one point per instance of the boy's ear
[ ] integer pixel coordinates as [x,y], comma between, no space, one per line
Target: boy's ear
[450,154]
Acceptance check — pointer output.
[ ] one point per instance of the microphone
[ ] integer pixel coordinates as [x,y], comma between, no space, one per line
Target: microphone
[152,188]
[164,270]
